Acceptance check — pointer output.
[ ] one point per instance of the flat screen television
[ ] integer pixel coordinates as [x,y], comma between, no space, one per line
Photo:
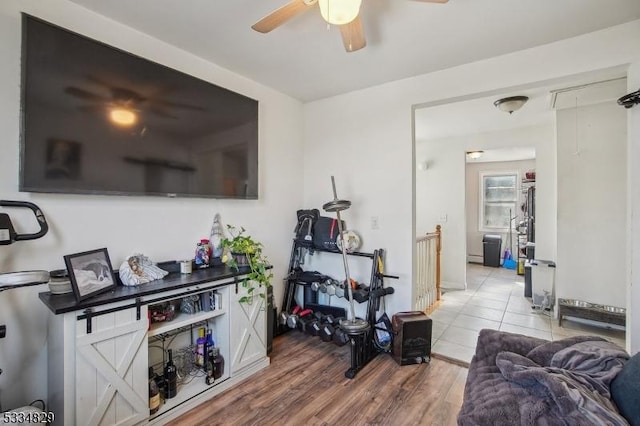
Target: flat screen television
[98,120]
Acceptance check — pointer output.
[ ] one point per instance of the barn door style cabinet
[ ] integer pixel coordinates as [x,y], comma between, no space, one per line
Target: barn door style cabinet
[100,350]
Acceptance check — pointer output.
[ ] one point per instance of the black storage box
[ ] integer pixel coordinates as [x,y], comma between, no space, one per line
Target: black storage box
[491,245]
[412,340]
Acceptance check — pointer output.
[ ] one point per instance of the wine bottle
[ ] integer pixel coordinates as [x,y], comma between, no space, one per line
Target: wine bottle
[170,377]
[218,363]
[154,393]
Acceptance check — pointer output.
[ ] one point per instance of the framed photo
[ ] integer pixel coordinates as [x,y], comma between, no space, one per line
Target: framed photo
[90,273]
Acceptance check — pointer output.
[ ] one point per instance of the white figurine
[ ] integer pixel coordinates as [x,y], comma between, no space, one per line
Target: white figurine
[139,269]
[217,234]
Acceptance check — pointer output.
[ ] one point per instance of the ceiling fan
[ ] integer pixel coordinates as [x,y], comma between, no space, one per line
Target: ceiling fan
[123,105]
[343,13]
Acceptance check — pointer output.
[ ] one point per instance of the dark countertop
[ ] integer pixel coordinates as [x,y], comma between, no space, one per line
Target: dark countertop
[63,303]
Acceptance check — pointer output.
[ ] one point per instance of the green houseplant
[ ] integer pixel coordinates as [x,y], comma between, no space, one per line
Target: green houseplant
[241,250]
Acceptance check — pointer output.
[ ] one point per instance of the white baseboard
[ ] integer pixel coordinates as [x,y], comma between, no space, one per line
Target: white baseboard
[450,285]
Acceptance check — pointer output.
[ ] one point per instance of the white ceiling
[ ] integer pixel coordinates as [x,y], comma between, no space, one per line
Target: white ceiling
[404,38]
[479,115]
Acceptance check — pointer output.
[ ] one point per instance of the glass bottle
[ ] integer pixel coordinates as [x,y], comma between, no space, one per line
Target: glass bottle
[218,363]
[170,377]
[154,393]
[201,351]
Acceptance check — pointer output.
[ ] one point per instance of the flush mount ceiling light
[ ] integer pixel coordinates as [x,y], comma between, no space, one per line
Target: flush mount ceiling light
[475,154]
[123,117]
[510,104]
[339,12]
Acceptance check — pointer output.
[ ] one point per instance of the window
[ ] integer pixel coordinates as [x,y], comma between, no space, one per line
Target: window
[498,199]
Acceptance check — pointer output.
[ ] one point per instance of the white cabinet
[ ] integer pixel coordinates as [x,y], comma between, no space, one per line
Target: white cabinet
[248,329]
[98,365]
[99,377]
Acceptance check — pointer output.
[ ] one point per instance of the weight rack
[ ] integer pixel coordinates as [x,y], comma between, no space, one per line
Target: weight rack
[363,348]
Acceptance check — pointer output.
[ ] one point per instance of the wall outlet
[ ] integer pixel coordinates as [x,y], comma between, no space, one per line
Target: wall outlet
[374,222]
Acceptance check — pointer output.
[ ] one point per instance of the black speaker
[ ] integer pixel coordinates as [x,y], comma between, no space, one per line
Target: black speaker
[412,340]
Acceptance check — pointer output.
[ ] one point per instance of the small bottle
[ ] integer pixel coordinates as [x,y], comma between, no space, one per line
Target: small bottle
[200,347]
[154,393]
[170,377]
[218,363]
[210,342]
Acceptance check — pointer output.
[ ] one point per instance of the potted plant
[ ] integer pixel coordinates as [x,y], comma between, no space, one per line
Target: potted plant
[241,250]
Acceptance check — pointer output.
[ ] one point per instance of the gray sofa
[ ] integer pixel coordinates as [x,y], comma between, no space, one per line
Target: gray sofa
[519,380]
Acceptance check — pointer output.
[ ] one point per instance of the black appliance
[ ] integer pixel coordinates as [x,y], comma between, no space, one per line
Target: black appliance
[412,340]
[98,120]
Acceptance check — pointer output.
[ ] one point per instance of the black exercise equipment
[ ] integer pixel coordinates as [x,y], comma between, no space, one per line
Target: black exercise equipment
[8,234]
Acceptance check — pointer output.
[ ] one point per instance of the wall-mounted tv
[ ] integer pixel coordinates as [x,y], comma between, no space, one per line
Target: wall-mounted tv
[98,120]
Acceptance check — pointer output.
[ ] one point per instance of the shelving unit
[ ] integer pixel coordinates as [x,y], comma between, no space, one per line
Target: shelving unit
[182,320]
[526,238]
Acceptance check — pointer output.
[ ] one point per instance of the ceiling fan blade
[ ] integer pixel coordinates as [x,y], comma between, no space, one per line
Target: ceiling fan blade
[161,113]
[281,15]
[84,94]
[353,35]
[178,105]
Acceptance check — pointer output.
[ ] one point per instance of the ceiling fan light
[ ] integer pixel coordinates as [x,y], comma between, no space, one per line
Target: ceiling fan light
[339,12]
[511,104]
[123,117]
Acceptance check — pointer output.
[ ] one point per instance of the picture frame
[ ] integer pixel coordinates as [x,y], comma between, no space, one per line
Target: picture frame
[90,273]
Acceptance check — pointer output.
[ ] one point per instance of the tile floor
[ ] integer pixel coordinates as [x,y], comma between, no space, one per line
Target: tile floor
[494,298]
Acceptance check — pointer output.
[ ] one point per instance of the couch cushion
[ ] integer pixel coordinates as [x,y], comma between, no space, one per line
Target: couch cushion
[625,390]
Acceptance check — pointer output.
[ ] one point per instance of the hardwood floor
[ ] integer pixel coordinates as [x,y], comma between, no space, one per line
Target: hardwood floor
[305,385]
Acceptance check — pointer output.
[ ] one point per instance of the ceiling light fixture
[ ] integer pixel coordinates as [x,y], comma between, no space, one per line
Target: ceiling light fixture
[123,116]
[475,154]
[510,104]
[339,12]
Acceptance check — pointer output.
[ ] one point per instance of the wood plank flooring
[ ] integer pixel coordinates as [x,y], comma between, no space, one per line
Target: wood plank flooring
[305,385]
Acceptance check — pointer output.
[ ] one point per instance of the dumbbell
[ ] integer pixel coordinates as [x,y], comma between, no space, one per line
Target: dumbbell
[361,294]
[316,324]
[328,329]
[292,321]
[340,289]
[304,323]
[340,337]
[284,316]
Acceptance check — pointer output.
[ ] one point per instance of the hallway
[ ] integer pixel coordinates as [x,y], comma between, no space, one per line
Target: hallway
[494,299]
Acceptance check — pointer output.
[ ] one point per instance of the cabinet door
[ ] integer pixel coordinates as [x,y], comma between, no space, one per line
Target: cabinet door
[248,328]
[112,369]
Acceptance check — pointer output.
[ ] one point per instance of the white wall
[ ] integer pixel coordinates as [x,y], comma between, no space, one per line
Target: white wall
[633,215]
[162,228]
[365,137]
[440,191]
[591,263]
[440,200]
[472,191]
